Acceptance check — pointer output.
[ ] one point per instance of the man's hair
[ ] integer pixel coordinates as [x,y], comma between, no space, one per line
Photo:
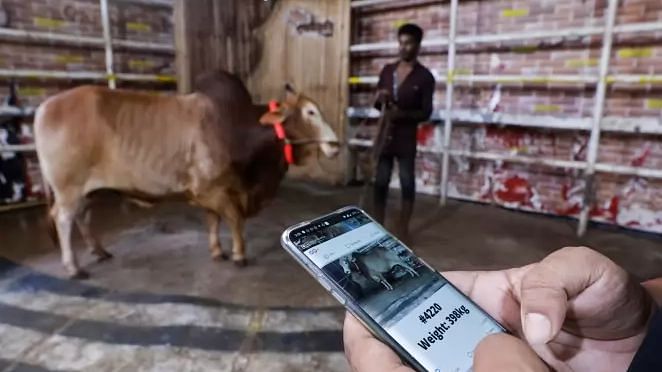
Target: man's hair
[412,30]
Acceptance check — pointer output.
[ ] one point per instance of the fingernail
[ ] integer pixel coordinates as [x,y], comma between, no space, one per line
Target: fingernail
[537,328]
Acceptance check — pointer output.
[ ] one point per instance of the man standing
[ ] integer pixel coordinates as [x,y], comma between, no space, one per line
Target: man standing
[405,89]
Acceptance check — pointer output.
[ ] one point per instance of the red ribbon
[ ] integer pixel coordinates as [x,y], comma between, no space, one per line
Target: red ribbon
[288,151]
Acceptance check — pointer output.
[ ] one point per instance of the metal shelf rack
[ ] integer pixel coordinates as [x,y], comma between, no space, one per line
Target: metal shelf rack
[595,124]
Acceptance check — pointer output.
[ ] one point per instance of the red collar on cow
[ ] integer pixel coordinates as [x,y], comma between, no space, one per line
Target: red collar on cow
[288,150]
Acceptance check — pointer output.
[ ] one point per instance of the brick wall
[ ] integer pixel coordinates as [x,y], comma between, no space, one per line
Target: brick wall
[623,200]
[82,17]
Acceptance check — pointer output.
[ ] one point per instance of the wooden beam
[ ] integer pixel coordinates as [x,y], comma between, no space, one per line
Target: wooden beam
[182,52]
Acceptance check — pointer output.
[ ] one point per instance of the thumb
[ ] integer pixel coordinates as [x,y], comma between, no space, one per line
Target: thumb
[546,288]
[504,353]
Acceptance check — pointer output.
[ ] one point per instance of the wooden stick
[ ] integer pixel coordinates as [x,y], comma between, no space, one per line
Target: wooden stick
[384,127]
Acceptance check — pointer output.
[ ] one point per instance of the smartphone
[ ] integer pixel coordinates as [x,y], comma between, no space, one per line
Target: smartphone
[396,295]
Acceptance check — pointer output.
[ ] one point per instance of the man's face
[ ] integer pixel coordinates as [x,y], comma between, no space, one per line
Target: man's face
[408,47]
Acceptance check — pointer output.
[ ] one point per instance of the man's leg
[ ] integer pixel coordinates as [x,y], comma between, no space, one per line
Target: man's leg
[382,180]
[407,167]
[352,164]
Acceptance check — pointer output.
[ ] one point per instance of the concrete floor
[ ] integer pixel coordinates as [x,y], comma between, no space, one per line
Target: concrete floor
[162,304]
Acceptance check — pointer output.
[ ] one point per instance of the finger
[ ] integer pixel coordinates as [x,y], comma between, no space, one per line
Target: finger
[654,287]
[462,280]
[547,286]
[367,354]
[493,291]
[505,353]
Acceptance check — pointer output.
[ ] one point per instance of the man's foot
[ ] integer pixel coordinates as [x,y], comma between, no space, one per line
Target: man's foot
[406,211]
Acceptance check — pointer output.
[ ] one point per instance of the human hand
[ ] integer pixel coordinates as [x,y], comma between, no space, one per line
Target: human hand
[498,352]
[383,96]
[576,308]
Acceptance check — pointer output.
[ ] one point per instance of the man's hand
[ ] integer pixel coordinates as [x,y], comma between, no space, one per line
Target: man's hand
[576,308]
[367,354]
[383,96]
[506,353]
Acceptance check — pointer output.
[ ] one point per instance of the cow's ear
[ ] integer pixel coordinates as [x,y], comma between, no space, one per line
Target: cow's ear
[281,114]
[290,88]
[271,118]
[278,116]
[291,95]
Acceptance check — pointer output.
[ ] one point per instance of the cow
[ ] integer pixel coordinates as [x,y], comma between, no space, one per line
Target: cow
[214,148]
[379,261]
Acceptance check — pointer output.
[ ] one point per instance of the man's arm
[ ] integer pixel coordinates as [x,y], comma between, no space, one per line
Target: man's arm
[381,96]
[428,95]
[647,357]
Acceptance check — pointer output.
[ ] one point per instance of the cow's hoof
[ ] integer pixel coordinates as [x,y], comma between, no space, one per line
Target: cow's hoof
[80,275]
[241,262]
[220,257]
[102,256]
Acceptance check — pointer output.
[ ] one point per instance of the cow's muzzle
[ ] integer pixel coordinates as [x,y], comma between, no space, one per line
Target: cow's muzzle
[330,149]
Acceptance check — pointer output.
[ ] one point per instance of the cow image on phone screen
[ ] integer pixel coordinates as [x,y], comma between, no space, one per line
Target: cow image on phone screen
[377,262]
[384,278]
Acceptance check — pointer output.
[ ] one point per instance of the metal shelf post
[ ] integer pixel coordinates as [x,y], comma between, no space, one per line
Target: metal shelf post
[598,110]
[108,43]
[448,123]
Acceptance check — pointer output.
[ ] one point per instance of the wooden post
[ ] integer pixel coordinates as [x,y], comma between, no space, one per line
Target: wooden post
[182,55]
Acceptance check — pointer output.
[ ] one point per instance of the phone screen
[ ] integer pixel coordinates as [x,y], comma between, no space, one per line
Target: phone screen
[414,305]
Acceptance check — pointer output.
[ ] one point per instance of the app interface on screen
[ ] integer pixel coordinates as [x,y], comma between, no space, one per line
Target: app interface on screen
[415,306]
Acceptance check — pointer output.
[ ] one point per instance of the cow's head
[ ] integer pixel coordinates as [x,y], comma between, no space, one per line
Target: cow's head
[304,124]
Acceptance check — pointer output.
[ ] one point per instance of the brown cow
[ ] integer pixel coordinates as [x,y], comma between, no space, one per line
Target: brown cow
[214,147]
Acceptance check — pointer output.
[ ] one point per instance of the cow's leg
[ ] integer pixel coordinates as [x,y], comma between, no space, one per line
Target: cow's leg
[236,222]
[388,285]
[64,214]
[214,222]
[411,270]
[93,244]
[379,278]
[407,268]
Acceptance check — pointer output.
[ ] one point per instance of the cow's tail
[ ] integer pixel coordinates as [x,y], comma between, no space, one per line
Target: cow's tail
[50,202]
[39,121]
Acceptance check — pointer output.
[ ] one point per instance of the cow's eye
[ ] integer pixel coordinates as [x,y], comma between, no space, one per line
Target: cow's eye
[311,112]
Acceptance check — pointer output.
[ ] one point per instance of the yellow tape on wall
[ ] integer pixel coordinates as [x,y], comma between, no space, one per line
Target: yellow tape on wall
[547,108]
[354,80]
[48,22]
[635,52]
[139,64]
[399,23]
[138,26]
[581,62]
[166,78]
[69,58]
[519,12]
[31,92]
[462,71]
